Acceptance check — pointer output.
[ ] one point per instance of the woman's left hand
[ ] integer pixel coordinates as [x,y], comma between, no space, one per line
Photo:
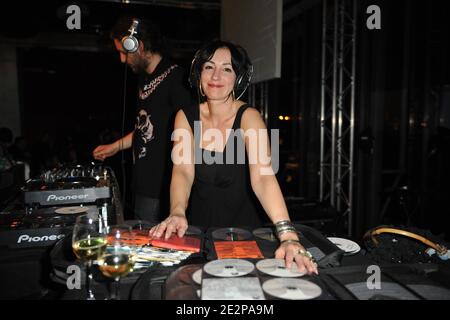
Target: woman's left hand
[294,252]
[175,223]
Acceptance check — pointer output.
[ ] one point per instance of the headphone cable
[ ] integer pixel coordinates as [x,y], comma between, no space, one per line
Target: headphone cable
[124,185]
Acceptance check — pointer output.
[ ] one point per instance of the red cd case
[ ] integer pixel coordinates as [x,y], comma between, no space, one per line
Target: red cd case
[186,243]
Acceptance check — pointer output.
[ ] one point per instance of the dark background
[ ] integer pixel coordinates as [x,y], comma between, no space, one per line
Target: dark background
[71,92]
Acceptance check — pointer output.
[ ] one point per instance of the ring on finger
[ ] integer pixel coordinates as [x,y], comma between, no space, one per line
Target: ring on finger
[305,253]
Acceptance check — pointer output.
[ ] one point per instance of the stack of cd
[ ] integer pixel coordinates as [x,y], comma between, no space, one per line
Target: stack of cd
[284,286]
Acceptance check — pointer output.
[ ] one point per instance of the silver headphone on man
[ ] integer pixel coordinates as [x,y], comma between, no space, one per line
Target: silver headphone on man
[130,43]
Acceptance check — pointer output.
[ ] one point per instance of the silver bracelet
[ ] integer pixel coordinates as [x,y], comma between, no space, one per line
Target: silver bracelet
[286,231]
[290,241]
[285,228]
[282,224]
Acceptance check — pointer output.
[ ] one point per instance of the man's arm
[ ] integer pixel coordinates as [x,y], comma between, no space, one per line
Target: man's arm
[108,150]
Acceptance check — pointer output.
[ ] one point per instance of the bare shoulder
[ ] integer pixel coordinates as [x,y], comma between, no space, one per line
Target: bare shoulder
[180,116]
[251,118]
[181,120]
[252,112]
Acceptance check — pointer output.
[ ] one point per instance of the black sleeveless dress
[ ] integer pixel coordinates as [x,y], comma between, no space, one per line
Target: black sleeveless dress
[221,194]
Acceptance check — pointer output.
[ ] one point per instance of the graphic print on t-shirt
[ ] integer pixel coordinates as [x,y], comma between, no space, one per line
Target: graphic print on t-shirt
[144,129]
[152,85]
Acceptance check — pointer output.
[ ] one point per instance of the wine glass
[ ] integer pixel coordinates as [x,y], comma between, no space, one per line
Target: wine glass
[89,243]
[118,258]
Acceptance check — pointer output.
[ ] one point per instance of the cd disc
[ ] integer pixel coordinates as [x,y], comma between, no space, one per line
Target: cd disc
[291,289]
[231,234]
[265,234]
[228,267]
[348,246]
[71,210]
[277,268]
[197,276]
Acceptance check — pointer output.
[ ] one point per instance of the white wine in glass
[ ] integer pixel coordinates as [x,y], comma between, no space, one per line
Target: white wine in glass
[118,258]
[89,243]
[116,265]
[89,249]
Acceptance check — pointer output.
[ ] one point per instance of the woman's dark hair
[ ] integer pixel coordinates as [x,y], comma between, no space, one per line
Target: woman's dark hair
[240,61]
[148,32]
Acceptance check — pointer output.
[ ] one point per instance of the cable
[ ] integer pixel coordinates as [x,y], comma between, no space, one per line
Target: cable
[439,248]
[124,185]
[116,197]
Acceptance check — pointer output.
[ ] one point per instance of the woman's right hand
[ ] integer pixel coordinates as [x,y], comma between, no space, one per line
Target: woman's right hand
[175,223]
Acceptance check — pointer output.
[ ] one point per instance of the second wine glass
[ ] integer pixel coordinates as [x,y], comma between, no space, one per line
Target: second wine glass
[118,259]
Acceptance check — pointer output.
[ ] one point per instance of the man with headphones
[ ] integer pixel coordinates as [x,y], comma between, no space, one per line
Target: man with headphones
[161,94]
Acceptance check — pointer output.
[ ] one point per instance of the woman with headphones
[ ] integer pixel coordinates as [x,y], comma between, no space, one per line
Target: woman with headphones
[218,168]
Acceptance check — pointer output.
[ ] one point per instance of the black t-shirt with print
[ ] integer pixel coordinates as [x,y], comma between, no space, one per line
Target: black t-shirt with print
[161,95]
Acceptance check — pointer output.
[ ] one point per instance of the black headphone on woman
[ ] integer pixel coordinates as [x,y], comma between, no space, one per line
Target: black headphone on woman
[130,43]
[242,80]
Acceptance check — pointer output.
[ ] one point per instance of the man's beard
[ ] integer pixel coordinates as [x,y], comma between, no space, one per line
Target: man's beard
[140,66]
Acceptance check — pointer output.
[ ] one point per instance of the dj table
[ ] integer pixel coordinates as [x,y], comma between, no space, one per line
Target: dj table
[43,213]
[341,276]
